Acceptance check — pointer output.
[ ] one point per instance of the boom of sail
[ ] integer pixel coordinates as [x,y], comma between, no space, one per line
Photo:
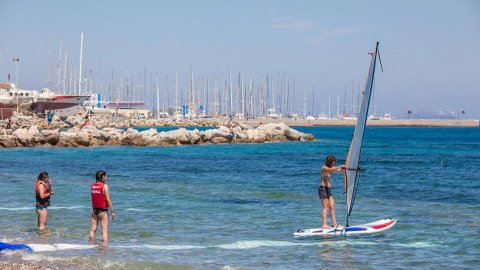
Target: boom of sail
[352,170]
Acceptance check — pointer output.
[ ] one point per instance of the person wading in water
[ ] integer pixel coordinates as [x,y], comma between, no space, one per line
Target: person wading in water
[101,201]
[43,191]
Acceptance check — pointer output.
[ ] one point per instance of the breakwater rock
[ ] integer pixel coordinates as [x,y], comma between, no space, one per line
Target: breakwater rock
[21,121]
[90,135]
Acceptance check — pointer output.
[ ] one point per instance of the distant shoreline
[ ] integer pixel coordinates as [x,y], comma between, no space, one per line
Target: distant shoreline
[380,123]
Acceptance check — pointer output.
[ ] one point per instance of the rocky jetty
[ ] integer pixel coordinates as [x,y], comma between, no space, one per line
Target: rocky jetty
[20,134]
[20,121]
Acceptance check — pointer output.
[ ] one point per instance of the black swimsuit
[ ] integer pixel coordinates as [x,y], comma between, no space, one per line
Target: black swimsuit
[324,192]
[97,211]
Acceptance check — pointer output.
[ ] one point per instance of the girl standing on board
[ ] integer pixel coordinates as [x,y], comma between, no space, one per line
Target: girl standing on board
[324,190]
[101,201]
[43,190]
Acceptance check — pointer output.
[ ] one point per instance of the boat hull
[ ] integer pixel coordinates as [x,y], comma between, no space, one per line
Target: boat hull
[58,103]
[6,110]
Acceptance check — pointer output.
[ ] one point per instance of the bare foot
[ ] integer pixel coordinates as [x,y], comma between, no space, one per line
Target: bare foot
[327,227]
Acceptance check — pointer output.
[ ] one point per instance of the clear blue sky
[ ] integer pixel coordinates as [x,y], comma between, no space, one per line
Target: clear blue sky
[430,49]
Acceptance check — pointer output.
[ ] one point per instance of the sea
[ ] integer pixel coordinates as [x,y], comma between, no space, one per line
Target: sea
[236,206]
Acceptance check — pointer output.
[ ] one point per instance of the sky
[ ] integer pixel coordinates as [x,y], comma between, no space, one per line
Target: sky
[430,50]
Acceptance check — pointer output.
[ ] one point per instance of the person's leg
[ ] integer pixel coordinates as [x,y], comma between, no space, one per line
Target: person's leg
[42,218]
[104,223]
[93,226]
[38,218]
[332,211]
[326,206]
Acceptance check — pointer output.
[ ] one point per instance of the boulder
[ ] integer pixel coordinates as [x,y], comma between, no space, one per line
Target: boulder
[67,139]
[134,139]
[179,135]
[8,141]
[164,138]
[131,130]
[273,131]
[149,133]
[218,140]
[82,138]
[51,136]
[33,131]
[23,137]
[114,134]
[292,134]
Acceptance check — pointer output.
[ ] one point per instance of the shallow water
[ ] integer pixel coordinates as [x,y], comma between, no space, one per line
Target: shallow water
[236,206]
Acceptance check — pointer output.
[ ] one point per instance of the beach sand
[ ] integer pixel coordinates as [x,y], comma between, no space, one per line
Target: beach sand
[23,265]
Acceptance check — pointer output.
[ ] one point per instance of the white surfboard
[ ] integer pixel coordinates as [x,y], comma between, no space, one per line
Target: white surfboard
[369,228]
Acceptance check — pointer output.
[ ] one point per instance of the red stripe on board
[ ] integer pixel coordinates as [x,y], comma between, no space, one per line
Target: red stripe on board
[379,226]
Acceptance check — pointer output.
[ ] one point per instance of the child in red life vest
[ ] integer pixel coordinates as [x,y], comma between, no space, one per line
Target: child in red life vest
[101,201]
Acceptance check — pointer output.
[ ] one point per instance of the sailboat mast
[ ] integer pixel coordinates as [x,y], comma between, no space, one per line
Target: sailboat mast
[215,97]
[338,105]
[81,62]
[353,102]
[231,91]
[59,66]
[65,74]
[329,115]
[158,96]
[49,66]
[192,93]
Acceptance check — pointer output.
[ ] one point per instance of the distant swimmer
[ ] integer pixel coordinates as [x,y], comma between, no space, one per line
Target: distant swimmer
[43,191]
[101,201]
[324,190]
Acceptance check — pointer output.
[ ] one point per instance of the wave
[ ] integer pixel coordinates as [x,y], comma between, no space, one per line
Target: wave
[239,245]
[420,244]
[30,208]
[25,208]
[260,243]
[58,247]
[135,210]
[249,244]
[67,207]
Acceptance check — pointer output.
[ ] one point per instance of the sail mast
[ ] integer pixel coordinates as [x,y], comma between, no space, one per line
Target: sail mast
[81,62]
[353,157]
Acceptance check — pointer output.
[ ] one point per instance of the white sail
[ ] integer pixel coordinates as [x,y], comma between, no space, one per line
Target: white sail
[353,157]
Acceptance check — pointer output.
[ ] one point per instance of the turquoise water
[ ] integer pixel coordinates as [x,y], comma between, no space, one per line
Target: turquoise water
[236,206]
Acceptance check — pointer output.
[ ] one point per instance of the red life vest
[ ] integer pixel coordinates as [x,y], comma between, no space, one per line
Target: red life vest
[98,197]
[38,200]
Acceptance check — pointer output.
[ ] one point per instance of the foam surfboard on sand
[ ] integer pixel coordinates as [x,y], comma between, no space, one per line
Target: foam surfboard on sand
[43,247]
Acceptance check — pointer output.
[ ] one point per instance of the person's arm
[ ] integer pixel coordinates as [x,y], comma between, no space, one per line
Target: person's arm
[50,185]
[109,200]
[334,169]
[41,192]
